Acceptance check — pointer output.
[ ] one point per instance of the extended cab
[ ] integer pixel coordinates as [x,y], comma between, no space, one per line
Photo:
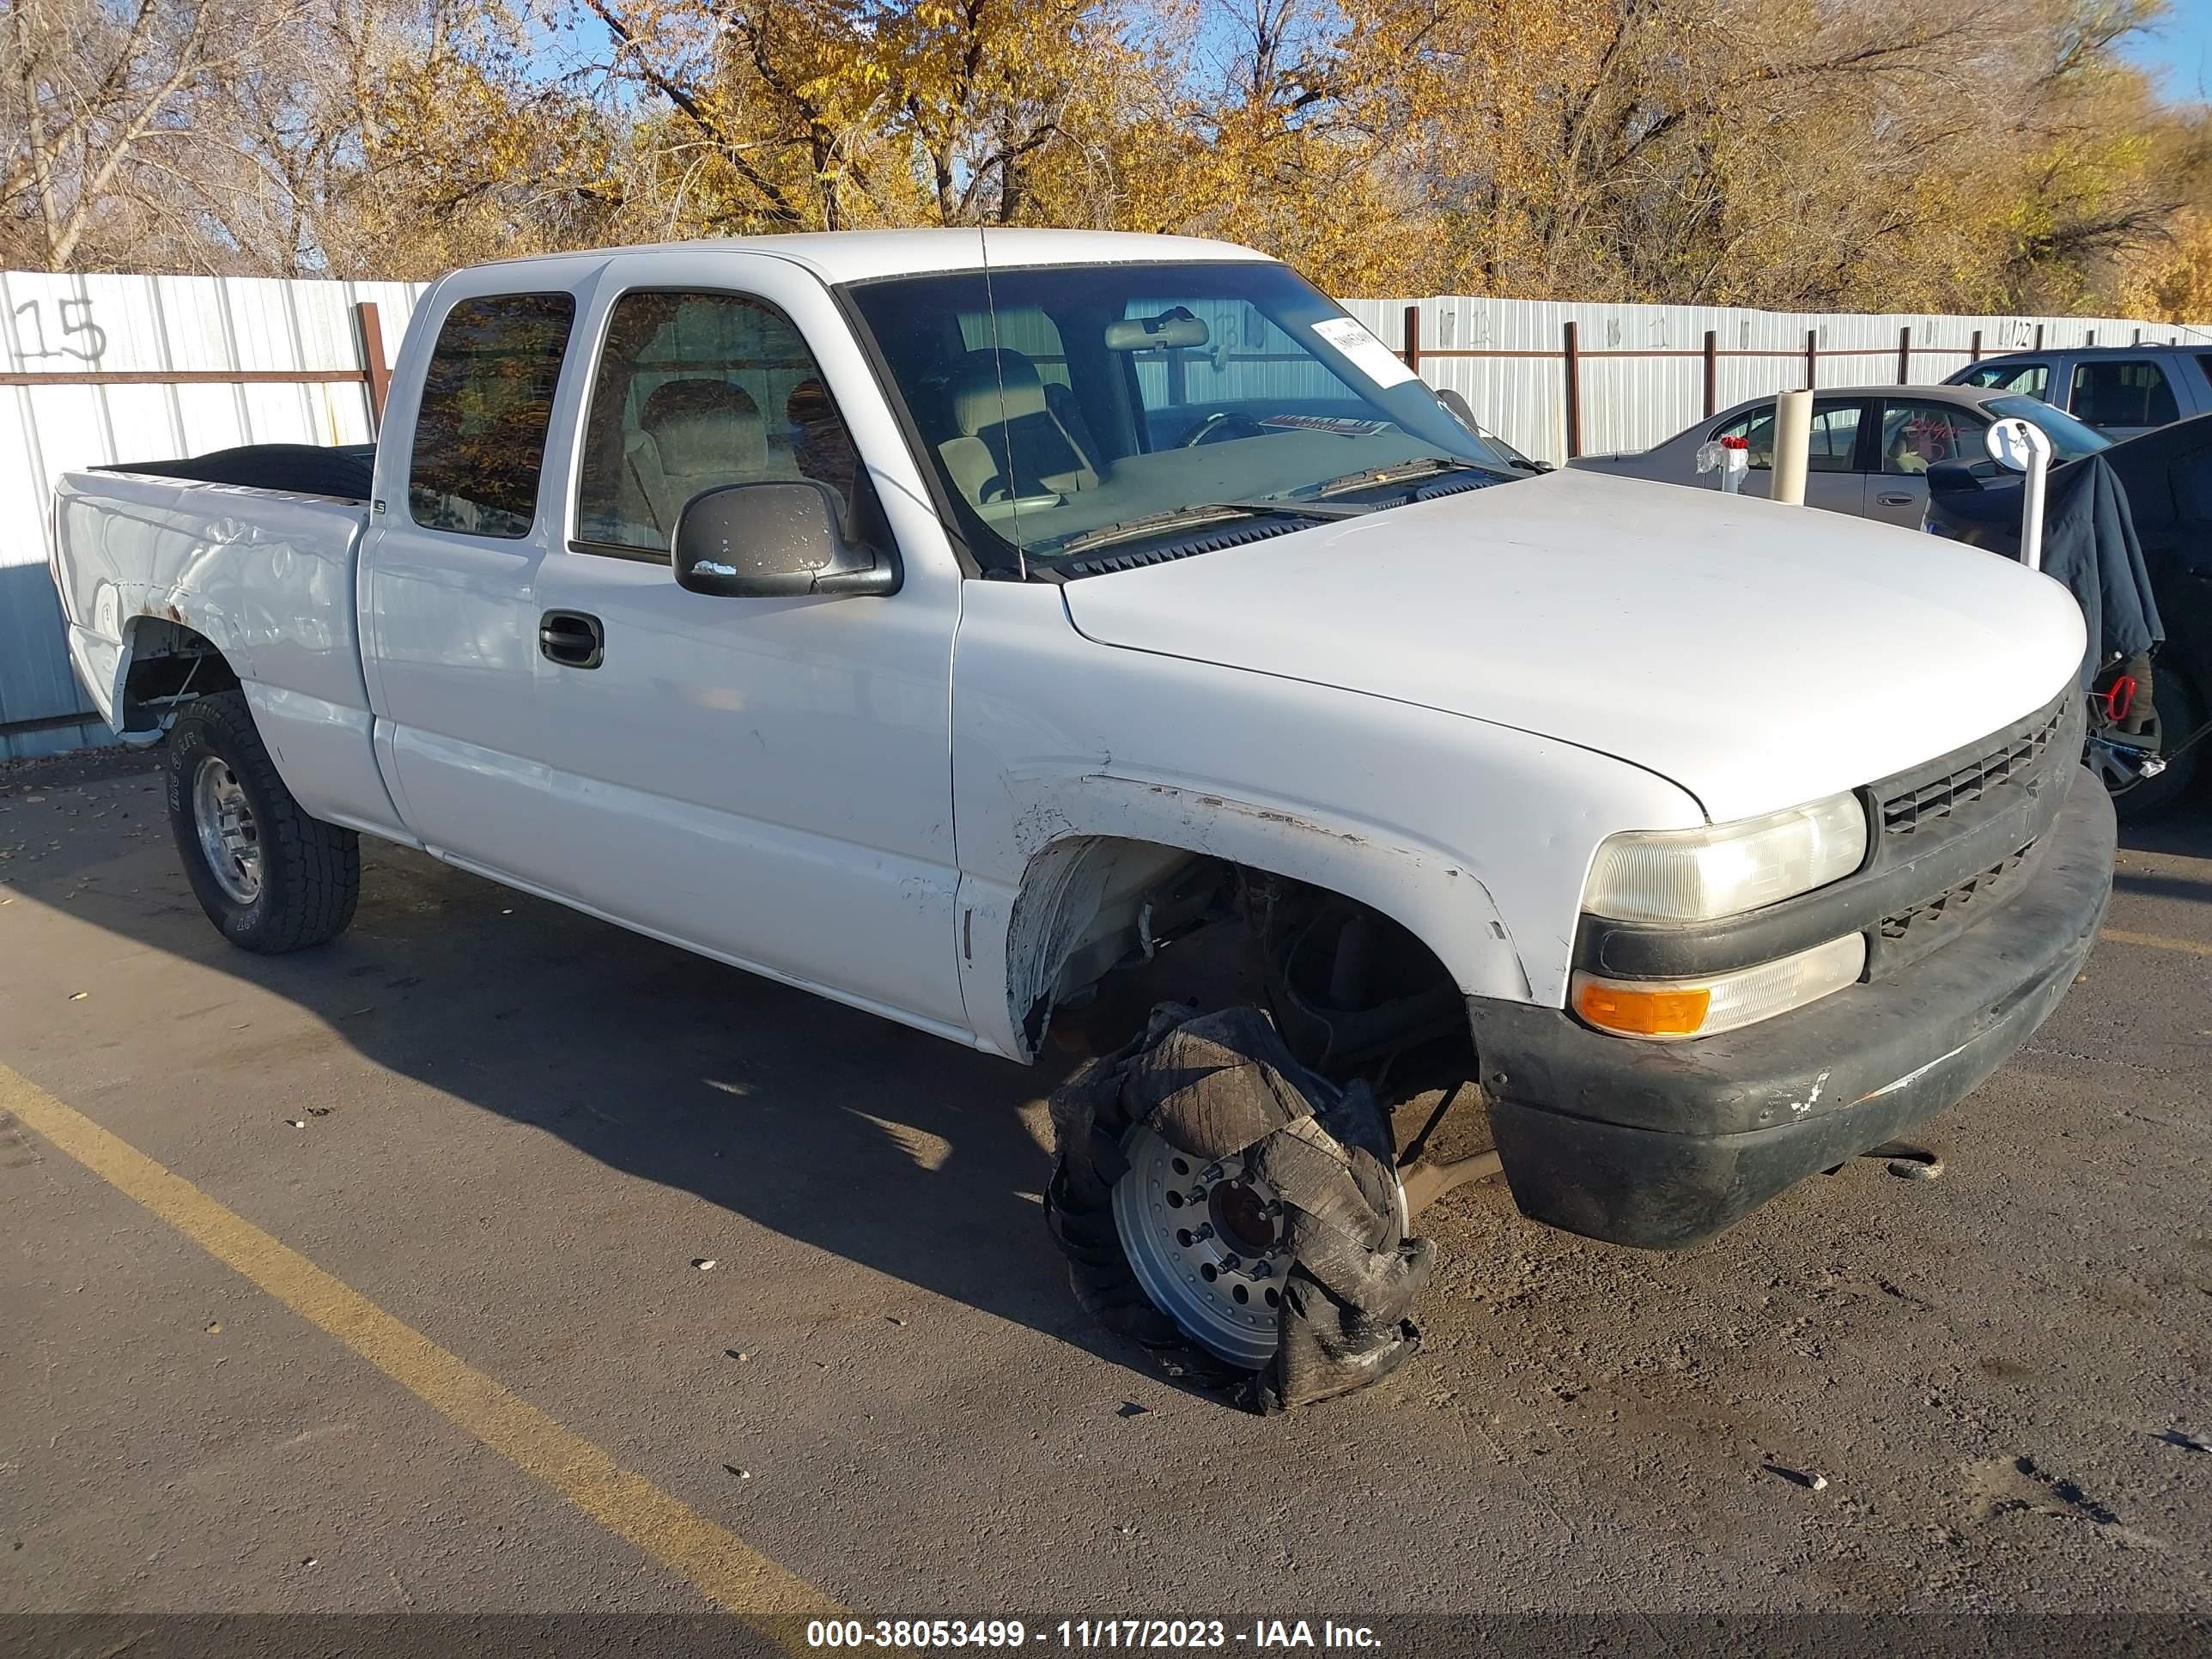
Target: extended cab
[941,636]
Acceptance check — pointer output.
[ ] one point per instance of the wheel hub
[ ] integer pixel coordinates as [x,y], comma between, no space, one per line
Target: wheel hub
[229,838]
[1205,1242]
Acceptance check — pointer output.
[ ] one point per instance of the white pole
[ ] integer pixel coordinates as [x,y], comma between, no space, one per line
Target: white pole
[1793,440]
[2030,511]
[2024,448]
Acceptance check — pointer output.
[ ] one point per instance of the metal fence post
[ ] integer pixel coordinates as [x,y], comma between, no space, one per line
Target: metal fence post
[1812,358]
[373,371]
[1974,356]
[1412,353]
[1904,356]
[1712,371]
[1574,386]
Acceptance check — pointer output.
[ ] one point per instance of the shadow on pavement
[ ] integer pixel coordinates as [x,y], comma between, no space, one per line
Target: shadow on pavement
[892,1148]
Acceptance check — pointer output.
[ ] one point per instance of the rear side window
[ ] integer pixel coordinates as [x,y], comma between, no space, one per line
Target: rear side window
[486,400]
[2122,392]
[2033,379]
[1830,446]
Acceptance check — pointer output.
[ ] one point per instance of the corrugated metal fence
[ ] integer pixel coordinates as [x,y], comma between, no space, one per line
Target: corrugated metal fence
[102,369]
[1557,379]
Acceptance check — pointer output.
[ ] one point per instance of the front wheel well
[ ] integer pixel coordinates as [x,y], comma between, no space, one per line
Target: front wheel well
[1348,985]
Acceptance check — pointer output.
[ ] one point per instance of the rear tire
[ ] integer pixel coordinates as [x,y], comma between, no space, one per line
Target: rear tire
[270,877]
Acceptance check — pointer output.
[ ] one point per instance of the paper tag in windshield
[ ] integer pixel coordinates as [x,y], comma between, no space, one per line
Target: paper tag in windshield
[1369,354]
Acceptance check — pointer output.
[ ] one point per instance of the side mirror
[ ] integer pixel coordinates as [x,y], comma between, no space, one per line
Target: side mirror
[772,541]
[1955,477]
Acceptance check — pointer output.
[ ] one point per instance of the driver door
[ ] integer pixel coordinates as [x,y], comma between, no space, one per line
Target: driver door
[768,780]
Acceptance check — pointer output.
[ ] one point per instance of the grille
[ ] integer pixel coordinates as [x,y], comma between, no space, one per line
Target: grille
[1952,903]
[1930,800]
[1900,940]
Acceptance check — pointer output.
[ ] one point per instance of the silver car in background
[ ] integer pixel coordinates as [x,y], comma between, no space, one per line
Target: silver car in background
[1871,445]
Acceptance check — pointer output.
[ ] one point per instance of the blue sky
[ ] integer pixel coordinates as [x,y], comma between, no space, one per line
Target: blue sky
[2181,51]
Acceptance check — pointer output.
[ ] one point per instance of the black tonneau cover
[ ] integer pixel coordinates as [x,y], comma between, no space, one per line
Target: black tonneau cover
[343,470]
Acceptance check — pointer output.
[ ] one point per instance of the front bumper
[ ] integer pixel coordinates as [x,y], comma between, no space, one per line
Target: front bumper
[1664,1145]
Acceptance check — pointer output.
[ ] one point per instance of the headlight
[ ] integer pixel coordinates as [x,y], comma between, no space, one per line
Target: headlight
[1725,869]
[1669,1010]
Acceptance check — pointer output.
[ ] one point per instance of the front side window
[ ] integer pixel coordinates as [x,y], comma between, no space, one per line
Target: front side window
[2032,380]
[1832,445]
[1068,407]
[486,400]
[2131,392]
[695,391]
[1915,436]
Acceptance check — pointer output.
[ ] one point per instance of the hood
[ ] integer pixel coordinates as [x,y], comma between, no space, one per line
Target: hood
[1759,656]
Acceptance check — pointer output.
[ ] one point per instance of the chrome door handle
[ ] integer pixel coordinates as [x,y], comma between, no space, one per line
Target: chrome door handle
[1894,500]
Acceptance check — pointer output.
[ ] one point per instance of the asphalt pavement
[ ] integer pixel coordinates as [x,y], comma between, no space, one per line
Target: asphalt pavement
[494,1260]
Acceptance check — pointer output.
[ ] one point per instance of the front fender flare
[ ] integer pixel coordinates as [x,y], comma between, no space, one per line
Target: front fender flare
[1014,939]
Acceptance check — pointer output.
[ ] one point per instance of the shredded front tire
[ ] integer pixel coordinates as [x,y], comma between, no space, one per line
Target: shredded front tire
[1253,1175]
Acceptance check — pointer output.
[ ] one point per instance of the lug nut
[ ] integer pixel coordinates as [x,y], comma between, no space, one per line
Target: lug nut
[1262,1270]
[1204,1229]
[1232,1260]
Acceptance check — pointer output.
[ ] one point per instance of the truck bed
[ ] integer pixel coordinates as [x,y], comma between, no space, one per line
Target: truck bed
[148,565]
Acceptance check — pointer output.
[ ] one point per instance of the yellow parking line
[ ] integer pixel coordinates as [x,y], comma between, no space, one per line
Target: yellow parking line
[723,1567]
[2159,942]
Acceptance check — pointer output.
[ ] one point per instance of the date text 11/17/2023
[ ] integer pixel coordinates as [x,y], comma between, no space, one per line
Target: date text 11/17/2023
[1159,1635]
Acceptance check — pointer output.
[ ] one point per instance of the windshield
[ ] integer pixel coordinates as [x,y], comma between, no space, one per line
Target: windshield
[1065,407]
[2069,439]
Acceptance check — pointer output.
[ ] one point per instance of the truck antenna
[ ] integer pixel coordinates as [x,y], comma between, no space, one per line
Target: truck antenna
[999,363]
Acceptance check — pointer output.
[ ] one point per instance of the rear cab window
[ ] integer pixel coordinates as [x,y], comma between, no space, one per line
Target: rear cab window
[486,400]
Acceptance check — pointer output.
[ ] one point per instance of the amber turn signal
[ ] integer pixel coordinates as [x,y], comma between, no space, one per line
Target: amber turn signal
[1673,1012]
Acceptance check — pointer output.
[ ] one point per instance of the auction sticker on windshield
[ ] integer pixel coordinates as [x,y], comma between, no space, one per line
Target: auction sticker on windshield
[1369,354]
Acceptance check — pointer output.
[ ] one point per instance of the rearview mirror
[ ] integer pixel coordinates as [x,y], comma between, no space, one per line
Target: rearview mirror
[772,541]
[1175,328]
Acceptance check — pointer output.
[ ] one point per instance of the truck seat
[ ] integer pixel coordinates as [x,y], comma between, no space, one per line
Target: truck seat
[696,434]
[1011,442]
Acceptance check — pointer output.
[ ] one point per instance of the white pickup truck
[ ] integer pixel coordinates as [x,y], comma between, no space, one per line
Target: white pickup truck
[940,636]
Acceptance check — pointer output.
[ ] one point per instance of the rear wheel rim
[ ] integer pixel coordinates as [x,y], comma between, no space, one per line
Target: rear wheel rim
[1205,1240]
[230,839]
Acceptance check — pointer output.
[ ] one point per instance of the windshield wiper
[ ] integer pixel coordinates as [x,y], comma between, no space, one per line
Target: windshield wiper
[1396,472]
[1205,513]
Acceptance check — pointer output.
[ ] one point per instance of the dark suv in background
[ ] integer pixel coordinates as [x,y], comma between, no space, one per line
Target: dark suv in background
[2121,390]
